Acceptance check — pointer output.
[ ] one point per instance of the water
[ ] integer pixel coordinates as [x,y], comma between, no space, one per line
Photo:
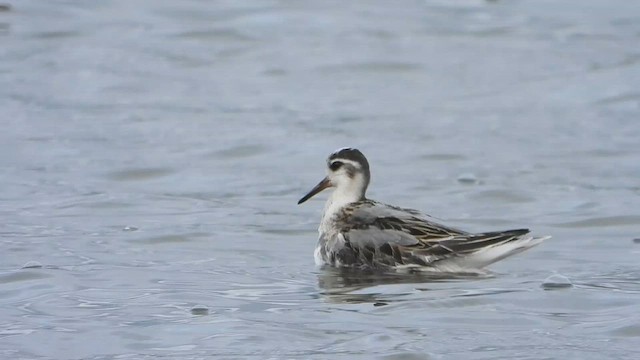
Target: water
[152,154]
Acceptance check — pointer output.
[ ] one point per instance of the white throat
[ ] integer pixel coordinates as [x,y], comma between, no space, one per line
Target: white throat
[342,196]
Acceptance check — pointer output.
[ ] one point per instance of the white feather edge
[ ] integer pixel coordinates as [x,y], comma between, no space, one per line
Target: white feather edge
[488,255]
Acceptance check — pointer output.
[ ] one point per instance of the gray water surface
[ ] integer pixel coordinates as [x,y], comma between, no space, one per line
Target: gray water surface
[152,154]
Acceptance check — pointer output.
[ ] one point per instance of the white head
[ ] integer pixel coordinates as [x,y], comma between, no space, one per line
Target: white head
[348,172]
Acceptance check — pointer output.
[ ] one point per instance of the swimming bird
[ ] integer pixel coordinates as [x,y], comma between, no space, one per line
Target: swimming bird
[359,232]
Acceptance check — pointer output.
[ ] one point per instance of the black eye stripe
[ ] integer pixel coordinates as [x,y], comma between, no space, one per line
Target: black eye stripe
[335,165]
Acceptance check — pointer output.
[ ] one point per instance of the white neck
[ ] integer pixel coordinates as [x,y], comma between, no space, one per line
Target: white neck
[341,197]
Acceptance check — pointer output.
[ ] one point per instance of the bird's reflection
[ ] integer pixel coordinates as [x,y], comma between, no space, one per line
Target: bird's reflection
[345,285]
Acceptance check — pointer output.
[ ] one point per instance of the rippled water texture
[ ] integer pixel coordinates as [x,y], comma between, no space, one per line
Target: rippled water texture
[152,154]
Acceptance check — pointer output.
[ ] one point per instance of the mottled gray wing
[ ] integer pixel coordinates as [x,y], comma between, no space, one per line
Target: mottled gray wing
[379,233]
[369,214]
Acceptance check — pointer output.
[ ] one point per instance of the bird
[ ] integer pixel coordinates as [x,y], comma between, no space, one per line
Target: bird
[357,232]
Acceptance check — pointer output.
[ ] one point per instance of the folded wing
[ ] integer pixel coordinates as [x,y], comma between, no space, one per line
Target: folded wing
[380,234]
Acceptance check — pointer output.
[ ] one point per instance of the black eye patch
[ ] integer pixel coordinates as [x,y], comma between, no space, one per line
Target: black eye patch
[335,165]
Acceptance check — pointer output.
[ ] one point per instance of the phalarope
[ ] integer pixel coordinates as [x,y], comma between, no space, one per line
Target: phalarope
[359,232]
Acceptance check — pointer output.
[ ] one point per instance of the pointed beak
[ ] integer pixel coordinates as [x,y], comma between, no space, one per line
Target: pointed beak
[325,183]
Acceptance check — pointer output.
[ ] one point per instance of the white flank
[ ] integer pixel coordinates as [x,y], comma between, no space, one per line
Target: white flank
[488,255]
[317,256]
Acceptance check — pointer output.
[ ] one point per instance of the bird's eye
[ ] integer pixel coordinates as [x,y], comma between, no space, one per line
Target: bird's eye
[335,165]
